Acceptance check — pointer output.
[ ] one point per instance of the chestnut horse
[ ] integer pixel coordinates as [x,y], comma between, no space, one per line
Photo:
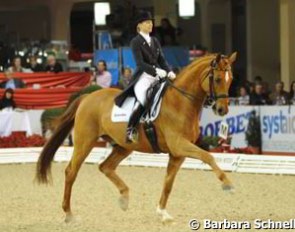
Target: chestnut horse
[177,128]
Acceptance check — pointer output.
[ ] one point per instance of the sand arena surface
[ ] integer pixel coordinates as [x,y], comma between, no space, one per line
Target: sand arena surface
[26,206]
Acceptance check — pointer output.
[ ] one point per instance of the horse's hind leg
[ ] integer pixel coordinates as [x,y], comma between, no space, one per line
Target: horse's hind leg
[83,144]
[172,169]
[109,166]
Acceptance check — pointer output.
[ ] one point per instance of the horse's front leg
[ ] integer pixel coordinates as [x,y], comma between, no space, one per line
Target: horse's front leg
[172,169]
[181,147]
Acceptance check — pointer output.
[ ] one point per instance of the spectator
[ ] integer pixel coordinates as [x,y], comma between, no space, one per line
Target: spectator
[7,100]
[103,77]
[11,82]
[53,65]
[280,96]
[126,78]
[292,93]
[166,33]
[244,98]
[16,65]
[265,87]
[258,97]
[34,66]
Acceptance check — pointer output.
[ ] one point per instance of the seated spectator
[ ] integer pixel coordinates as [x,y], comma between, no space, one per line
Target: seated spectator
[125,78]
[7,100]
[53,65]
[244,98]
[265,87]
[16,65]
[280,96]
[103,77]
[34,66]
[258,97]
[11,82]
[292,93]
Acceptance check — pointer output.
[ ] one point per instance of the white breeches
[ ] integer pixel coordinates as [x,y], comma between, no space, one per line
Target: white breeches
[142,85]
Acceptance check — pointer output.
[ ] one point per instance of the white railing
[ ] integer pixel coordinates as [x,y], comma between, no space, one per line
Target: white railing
[228,162]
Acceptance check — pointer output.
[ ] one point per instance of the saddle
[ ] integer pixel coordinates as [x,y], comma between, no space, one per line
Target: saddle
[152,107]
[151,112]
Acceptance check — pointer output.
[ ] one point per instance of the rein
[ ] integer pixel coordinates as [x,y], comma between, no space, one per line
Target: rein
[183,92]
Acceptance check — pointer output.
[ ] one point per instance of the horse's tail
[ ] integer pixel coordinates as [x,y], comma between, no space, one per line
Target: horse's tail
[66,123]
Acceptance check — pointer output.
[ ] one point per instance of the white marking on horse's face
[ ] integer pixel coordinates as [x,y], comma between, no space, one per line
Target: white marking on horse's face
[226,76]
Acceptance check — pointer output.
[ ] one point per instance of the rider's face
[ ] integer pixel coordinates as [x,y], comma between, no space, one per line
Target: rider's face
[146,26]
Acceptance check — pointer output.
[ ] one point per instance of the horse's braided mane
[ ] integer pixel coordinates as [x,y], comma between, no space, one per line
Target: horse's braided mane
[198,62]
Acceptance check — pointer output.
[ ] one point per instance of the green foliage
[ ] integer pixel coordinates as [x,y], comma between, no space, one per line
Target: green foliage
[253,133]
[89,89]
[208,142]
[51,114]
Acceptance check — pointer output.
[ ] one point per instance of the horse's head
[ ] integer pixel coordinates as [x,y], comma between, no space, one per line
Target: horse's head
[217,81]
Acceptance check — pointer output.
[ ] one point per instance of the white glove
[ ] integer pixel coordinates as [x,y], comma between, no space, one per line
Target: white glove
[171,75]
[161,73]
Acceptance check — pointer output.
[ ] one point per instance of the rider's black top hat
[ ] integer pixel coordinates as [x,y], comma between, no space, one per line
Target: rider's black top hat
[143,16]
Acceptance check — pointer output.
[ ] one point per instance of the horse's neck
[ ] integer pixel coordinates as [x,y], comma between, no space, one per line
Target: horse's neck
[189,81]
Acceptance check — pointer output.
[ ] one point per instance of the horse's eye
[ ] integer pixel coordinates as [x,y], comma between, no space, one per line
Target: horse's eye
[218,80]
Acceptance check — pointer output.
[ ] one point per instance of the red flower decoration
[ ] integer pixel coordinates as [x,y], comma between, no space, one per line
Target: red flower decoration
[19,139]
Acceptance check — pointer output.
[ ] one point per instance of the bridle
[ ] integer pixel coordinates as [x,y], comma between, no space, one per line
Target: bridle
[212,97]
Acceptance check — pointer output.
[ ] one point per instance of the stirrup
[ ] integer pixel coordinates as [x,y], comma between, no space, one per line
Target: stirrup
[132,135]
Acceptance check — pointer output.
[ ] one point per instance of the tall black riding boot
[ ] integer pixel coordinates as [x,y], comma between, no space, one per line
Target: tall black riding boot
[132,134]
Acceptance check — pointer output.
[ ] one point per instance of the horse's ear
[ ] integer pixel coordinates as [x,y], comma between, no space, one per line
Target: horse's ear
[233,57]
[218,58]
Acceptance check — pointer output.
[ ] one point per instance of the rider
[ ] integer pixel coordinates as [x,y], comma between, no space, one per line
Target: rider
[150,64]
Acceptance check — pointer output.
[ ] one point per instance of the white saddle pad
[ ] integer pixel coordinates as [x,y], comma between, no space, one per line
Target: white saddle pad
[122,114]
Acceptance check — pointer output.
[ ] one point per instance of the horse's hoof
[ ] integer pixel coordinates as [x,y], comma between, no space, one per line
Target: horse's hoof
[69,218]
[166,218]
[228,188]
[124,202]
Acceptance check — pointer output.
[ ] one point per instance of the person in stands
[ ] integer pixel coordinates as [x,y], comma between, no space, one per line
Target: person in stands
[16,65]
[53,65]
[103,77]
[258,97]
[125,78]
[11,82]
[7,100]
[279,96]
[34,66]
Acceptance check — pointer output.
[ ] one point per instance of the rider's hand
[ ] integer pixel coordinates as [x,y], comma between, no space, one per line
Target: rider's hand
[161,73]
[171,75]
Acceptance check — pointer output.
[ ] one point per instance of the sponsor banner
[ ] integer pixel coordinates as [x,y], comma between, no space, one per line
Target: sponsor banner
[278,128]
[237,120]
[111,57]
[127,58]
[176,56]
